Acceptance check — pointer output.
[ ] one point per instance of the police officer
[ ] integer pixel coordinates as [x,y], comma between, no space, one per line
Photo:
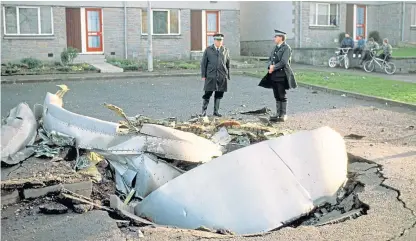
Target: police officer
[215,71]
[280,75]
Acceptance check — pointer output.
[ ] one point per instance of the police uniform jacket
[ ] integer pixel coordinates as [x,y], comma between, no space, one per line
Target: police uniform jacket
[280,58]
[215,67]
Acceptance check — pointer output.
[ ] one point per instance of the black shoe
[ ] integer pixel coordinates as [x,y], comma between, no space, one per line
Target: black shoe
[282,115]
[204,107]
[217,107]
[276,117]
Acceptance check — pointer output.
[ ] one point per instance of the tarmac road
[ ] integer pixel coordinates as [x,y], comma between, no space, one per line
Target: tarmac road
[168,97]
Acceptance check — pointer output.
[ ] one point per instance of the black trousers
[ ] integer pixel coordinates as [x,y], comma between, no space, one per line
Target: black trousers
[383,56]
[365,56]
[358,50]
[279,90]
[217,95]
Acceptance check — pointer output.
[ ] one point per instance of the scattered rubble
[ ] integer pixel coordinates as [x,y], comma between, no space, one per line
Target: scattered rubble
[156,168]
[53,208]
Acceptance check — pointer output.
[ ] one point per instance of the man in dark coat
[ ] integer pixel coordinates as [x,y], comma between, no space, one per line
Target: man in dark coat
[215,71]
[280,75]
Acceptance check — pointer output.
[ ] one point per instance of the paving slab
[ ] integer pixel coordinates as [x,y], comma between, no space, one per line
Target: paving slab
[107,68]
[36,173]
[92,226]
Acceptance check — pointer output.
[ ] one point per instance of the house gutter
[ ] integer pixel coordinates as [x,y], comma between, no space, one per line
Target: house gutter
[125,29]
[403,18]
[300,24]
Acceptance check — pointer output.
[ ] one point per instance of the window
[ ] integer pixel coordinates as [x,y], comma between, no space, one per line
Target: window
[413,14]
[28,20]
[212,18]
[323,14]
[165,22]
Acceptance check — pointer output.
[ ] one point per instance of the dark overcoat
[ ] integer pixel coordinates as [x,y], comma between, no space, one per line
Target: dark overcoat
[215,67]
[280,58]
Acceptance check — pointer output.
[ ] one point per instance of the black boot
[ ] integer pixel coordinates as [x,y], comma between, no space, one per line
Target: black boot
[217,107]
[204,107]
[283,107]
[277,116]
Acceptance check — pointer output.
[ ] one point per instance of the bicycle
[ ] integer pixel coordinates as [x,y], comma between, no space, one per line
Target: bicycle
[341,58]
[369,66]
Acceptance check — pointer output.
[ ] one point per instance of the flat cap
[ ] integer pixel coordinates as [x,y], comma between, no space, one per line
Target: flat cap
[279,33]
[218,36]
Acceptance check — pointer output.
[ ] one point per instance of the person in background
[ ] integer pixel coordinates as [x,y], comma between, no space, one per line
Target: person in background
[347,42]
[371,45]
[360,47]
[387,50]
[215,72]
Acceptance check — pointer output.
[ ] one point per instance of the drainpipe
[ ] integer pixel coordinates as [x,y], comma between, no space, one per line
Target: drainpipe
[300,24]
[403,19]
[125,29]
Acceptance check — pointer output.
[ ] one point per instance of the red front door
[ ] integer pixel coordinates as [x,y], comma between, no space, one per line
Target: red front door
[94,29]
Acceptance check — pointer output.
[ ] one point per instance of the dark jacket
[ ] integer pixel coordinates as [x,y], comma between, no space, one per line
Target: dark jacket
[215,67]
[280,58]
[347,43]
[361,44]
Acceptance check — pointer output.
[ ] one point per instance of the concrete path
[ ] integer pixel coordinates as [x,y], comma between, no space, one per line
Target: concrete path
[107,68]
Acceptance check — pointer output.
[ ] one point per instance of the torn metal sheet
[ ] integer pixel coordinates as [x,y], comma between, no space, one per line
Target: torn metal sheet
[272,182]
[221,137]
[95,134]
[145,173]
[181,145]
[18,131]
[88,132]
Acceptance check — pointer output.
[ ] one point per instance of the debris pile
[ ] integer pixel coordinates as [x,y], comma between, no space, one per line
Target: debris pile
[216,174]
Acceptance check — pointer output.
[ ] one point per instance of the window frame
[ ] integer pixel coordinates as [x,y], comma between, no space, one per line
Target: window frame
[18,22]
[329,15]
[413,14]
[162,34]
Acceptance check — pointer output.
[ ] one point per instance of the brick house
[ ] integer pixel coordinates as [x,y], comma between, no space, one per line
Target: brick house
[118,28]
[318,24]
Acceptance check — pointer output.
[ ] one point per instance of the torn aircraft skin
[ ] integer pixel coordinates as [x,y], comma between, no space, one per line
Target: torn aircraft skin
[91,133]
[18,131]
[144,173]
[271,182]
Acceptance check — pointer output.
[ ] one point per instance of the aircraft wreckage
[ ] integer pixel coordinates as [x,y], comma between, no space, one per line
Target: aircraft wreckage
[274,181]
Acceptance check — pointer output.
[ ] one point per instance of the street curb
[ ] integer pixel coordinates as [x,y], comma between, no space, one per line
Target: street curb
[352,94]
[104,77]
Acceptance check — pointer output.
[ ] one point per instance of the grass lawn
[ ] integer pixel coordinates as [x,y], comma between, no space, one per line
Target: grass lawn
[404,52]
[367,85]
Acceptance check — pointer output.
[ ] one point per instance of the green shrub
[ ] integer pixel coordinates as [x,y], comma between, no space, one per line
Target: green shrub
[375,35]
[185,65]
[130,67]
[31,63]
[64,68]
[68,55]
